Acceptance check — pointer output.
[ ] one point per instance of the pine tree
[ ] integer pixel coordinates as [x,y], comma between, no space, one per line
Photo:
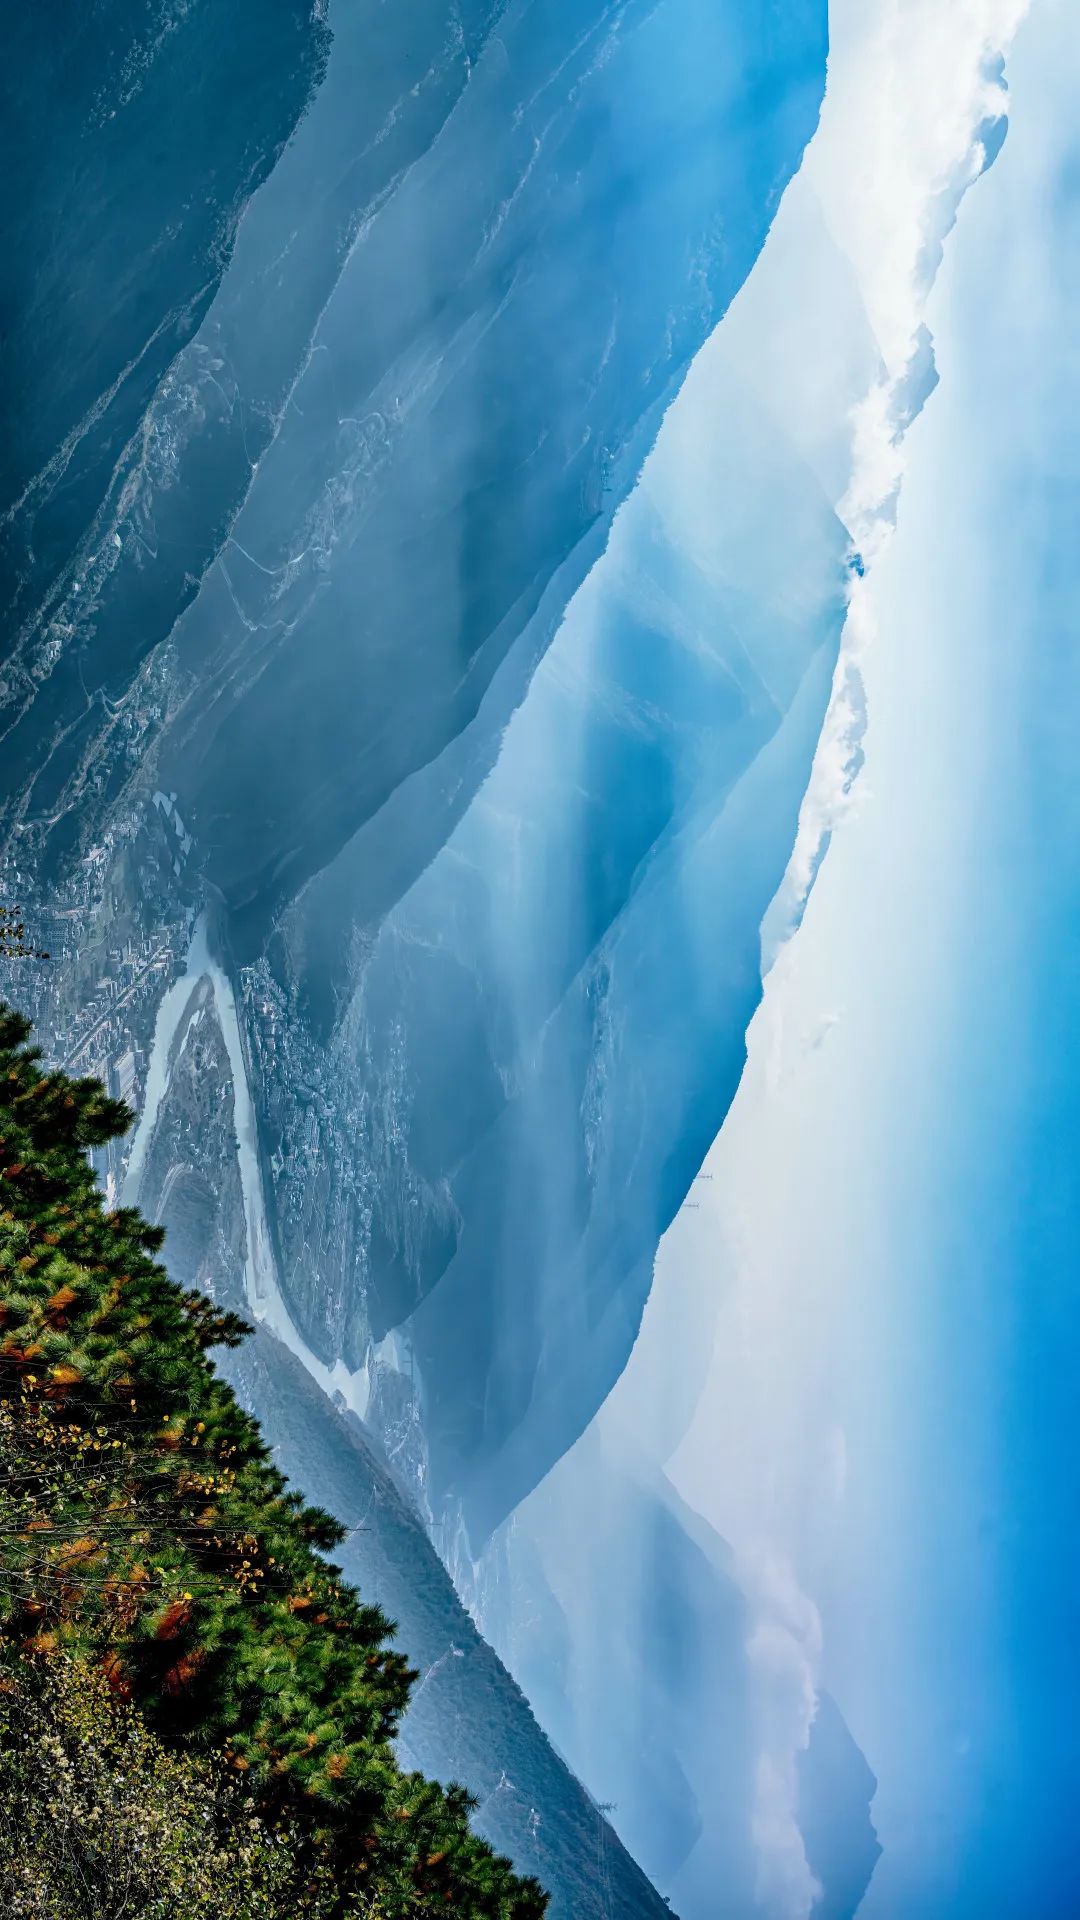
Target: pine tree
[144,1526]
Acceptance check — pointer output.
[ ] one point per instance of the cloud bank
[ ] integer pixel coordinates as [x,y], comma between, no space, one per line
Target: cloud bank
[915,110]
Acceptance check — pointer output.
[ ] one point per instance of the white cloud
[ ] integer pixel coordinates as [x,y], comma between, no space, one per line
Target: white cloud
[784,1654]
[913,85]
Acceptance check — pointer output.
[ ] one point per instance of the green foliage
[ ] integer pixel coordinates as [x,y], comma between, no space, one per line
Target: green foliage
[99,1818]
[144,1528]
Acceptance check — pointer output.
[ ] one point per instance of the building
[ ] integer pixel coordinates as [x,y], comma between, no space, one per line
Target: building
[123,1074]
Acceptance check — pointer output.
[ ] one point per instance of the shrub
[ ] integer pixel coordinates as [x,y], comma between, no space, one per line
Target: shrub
[98,1819]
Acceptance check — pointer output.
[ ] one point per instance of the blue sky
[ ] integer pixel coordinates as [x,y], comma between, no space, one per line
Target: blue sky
[986,1215]
[902,1162]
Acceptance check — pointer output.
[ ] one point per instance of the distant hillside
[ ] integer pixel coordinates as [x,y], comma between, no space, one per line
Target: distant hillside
[836,1789]
[467,1719]
[146,1539]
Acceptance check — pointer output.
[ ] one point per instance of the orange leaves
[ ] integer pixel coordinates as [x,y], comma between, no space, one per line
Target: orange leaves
[77,1550]
[337,1765]
[116,1675]
[133,1581]
[180,1675]
[174,1619]
[123,1594]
